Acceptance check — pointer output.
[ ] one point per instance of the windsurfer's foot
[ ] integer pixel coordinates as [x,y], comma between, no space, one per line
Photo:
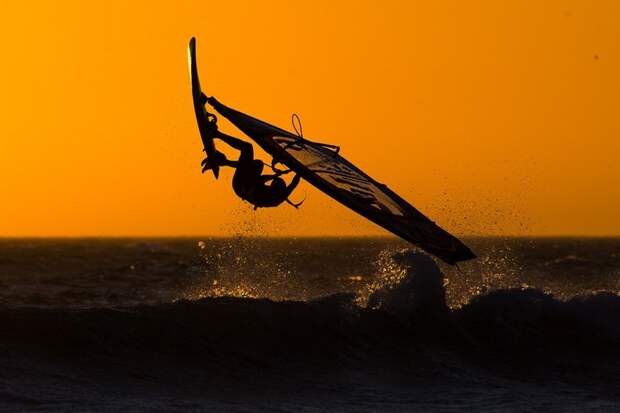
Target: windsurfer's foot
[205,165]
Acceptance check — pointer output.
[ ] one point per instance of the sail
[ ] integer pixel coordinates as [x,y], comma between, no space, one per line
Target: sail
[322,166]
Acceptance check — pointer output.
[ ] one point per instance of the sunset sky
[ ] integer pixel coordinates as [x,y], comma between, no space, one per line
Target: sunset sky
[491,117]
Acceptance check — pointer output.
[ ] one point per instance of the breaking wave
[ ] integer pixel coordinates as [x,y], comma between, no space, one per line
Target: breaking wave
[406,305]
[392,345]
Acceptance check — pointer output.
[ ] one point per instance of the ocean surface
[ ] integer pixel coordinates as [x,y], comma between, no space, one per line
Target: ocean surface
[247,324]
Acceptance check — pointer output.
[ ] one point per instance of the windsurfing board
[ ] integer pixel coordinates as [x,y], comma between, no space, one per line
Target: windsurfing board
[206,125]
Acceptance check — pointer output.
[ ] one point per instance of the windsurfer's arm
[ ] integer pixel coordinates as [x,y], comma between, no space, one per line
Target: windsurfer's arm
[236,143]
[267,178]
[232,164]
[278,173]
[291,187]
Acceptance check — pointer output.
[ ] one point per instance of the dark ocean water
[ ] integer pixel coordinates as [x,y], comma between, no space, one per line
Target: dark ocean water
[251,324]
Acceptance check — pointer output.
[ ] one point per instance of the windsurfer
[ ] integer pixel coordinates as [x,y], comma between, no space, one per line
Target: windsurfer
[249,183]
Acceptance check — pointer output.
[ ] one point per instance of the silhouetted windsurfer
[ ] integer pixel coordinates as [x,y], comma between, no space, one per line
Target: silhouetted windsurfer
[249,182]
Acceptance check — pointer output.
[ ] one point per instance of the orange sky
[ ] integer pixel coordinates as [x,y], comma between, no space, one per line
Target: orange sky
[491,117]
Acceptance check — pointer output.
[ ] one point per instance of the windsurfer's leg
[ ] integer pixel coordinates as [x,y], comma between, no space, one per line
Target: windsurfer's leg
[219,159]
[246,148]
[279,192]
